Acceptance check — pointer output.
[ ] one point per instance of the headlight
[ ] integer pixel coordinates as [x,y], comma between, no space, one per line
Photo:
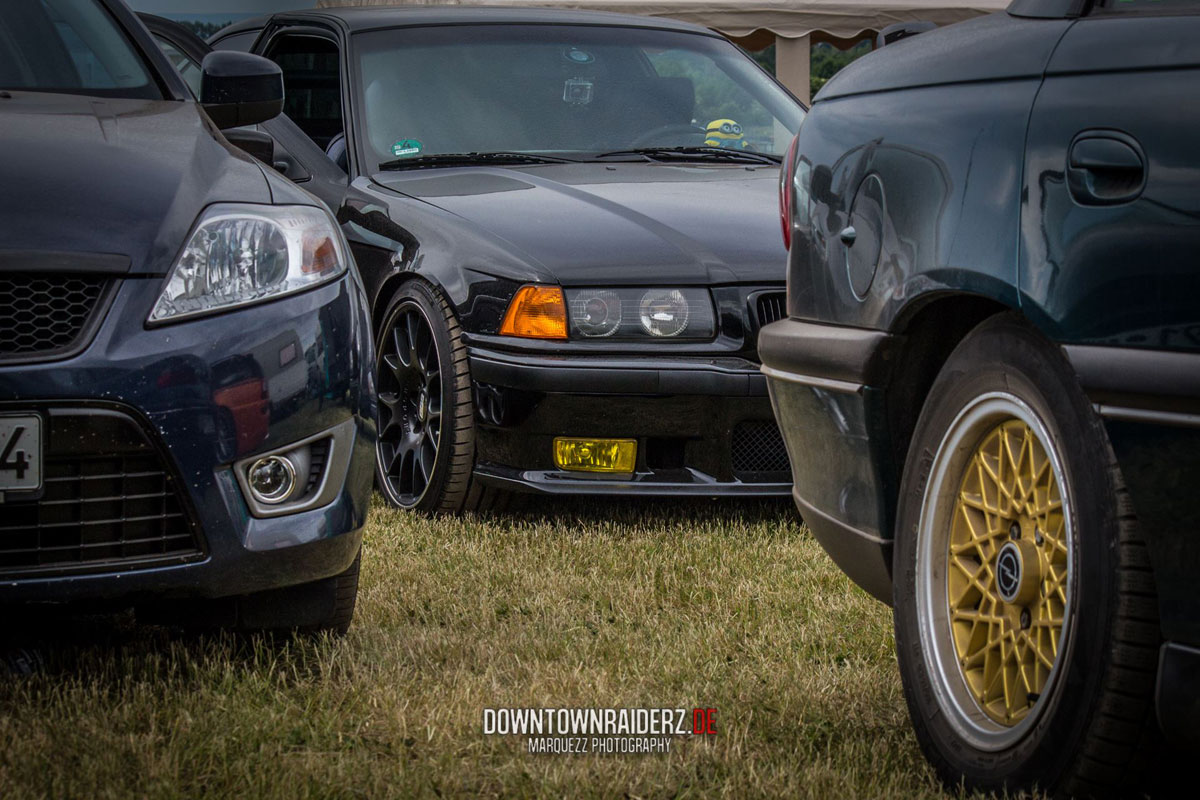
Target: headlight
[242,254]
[661,313]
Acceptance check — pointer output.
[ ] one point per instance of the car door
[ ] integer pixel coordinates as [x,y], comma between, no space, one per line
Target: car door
[1111,232]
[294,153]
[1111,221]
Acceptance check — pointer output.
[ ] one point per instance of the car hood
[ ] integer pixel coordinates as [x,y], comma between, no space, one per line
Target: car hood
[87,175]
[618,223]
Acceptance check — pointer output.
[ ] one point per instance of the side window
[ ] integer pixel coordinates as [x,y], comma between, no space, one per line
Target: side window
[1148,6]
[237,41]
[312,84]
[188,68]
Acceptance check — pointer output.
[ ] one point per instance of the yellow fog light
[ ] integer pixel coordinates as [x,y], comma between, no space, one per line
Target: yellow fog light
[595,455]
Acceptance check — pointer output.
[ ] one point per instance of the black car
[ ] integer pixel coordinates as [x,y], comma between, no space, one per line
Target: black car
[565,223]
[989,380]
[186,371]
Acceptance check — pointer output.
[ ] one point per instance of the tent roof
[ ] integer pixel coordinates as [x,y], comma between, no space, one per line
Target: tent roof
[843,19]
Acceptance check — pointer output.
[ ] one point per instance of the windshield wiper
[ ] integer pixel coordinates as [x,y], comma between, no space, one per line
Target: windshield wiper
[696,154]
[470,160]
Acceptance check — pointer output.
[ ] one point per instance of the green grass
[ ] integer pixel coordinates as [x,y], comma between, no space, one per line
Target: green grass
[731,606]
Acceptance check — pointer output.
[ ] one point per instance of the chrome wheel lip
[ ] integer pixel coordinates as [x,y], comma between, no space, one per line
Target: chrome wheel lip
[954,697]
[424,416]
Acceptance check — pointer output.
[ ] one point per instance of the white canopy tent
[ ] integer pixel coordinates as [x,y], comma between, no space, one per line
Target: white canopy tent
[794,25]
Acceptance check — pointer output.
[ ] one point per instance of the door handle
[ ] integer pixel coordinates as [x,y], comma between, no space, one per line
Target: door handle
[1105,168]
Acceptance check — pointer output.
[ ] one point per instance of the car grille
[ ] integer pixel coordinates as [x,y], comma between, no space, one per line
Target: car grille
[108,506]
[770,307]
[43,316]
[758,447]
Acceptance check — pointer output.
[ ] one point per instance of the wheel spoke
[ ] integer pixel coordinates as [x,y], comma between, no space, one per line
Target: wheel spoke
[1007,649]
[410,404]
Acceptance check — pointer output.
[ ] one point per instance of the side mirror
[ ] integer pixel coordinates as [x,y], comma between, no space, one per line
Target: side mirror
[902,30]
[240,88]
[256,143]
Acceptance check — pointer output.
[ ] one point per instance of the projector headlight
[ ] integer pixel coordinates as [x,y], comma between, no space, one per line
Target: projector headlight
[659,313]
[243,254]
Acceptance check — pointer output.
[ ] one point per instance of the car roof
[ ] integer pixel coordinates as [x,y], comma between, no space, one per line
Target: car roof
[376,17]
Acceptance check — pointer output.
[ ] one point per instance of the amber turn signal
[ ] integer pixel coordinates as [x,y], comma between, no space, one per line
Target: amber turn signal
[536,312]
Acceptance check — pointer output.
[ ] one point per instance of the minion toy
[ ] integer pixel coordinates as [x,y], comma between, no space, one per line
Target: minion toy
[725,133]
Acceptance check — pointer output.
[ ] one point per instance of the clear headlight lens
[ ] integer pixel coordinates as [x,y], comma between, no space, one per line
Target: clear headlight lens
[596,313]
[664,312]
[242,254]
[660,313]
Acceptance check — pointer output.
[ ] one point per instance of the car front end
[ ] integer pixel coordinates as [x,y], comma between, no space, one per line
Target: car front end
[186,388]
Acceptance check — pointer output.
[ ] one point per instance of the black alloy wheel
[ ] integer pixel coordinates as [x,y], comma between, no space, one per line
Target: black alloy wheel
[410,403]
[425,455]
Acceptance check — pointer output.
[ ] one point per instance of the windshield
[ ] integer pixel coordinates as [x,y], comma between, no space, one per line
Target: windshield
[562,90]
[68,46]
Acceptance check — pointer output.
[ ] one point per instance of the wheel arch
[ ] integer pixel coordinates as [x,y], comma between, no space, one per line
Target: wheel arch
[928,331]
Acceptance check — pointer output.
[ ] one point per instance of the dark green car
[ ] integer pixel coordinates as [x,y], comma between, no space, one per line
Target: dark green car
[989,381]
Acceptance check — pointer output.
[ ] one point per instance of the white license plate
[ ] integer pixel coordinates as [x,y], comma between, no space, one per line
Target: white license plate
[20,453]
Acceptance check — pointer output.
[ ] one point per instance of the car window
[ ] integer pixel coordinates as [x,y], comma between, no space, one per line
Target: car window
[186,66]
[1149,6]
[311,83]
[69,46]
[563,89]
[237,41]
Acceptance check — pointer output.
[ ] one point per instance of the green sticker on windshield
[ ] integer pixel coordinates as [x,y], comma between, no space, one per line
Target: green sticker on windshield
[406,147]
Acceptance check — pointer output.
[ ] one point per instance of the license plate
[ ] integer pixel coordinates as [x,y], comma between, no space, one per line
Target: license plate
[20,453]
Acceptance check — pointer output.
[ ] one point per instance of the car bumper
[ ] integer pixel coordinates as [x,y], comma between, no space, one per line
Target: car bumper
[822,381]
[141,431]
[703,425]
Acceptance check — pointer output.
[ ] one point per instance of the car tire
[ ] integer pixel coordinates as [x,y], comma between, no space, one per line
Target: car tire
[1033,669]
[425,453]
[322,606]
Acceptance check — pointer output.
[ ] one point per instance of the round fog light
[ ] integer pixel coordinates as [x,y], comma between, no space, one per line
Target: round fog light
[271,479]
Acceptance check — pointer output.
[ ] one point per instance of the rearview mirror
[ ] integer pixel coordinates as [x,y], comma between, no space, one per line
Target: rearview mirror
[240,88]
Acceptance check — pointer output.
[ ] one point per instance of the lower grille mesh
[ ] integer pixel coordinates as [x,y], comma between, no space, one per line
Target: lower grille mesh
[97,512]
[758,447]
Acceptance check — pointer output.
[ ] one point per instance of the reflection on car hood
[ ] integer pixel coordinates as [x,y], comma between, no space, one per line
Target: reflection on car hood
[618,223]
[126,177]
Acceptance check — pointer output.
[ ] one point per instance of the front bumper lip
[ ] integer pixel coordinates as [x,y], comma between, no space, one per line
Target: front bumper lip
[724,376]
[696,484]
[689,401]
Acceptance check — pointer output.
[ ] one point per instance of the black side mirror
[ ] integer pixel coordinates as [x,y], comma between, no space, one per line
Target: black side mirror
[240,88]
[902,30]
[256,143]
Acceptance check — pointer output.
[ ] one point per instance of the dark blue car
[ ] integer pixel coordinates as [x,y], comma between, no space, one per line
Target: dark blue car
[989,380]
[186,396]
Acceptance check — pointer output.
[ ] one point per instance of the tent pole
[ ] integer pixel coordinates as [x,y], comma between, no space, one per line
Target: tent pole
[793,65]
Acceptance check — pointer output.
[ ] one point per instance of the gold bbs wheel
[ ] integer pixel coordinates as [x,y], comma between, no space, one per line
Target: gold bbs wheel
[996,555]
[1007,574]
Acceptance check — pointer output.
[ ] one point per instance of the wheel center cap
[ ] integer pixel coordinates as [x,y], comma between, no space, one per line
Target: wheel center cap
[423,407]
[1008,572]
[1018,572]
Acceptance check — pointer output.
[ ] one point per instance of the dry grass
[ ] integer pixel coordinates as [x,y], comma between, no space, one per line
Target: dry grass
[610,605]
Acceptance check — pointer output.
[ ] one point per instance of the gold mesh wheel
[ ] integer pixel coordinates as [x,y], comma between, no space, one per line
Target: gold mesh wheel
[994,569]
[1008,571]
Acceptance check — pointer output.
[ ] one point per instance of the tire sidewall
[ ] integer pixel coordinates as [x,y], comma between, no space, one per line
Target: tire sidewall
[417,292]
[1005,355]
